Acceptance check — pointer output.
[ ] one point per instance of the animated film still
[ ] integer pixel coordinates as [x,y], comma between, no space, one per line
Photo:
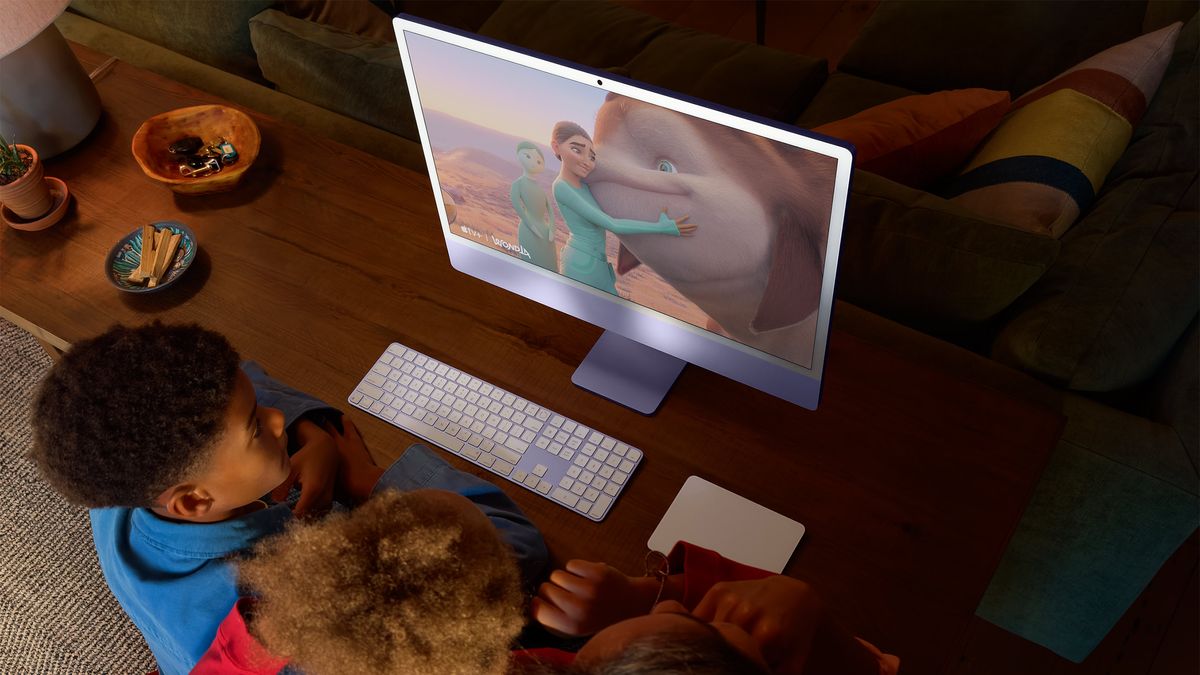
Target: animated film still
[714,226]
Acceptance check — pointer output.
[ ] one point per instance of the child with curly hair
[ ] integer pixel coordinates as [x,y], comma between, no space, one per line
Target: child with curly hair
[413,582]
[173,447]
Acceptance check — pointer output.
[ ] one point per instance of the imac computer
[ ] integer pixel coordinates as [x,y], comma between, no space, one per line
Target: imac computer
[689,233]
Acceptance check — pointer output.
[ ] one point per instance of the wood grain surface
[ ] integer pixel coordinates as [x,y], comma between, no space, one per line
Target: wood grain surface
[909,480]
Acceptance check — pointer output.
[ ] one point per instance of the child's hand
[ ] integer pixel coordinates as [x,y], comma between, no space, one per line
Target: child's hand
[789,622]
[589,596]
[357,472]
[314,467]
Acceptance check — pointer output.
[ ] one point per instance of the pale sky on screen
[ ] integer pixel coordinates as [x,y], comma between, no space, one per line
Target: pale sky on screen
[493,93]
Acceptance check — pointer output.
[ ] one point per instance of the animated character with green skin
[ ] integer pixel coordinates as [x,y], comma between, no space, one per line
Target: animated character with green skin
[584,258]
[529,200]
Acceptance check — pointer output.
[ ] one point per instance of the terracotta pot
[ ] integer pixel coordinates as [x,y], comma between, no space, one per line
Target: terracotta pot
[28,196]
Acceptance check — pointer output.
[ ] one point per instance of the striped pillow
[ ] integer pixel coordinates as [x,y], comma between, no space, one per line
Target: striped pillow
[1045,162]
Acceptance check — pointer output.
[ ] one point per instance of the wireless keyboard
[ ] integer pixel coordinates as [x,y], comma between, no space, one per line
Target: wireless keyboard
[547,453]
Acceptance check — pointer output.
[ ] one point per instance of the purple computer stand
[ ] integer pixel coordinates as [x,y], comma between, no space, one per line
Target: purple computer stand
[628,372]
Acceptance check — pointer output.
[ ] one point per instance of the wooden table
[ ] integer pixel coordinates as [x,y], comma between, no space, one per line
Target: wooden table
[909,480]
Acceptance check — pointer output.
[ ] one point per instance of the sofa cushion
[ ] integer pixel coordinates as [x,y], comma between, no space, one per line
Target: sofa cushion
[214,33]
[918,139]
[732,73]
[927,45]
[917,258]
[1048,158]
[339,71]
[596,34]
[843,95]
[1124,288]
[360,17]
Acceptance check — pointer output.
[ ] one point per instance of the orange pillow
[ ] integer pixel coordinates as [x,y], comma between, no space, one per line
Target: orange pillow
[916,140]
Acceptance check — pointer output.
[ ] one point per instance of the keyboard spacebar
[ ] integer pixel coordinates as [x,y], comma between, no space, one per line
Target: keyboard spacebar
[432,433]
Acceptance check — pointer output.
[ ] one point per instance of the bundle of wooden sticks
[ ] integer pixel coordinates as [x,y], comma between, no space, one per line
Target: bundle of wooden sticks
[158,252]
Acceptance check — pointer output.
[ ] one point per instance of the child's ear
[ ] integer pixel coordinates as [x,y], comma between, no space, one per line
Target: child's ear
[186,501]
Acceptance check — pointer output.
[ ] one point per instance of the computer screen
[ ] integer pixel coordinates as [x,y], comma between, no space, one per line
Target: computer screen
[701,233]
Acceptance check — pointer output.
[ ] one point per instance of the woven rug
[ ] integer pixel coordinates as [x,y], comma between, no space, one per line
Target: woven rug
[56,613]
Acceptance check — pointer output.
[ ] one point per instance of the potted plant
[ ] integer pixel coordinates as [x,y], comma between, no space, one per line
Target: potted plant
[22,186]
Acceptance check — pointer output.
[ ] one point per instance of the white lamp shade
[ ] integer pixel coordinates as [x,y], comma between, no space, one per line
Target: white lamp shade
[47,101]
[23,20]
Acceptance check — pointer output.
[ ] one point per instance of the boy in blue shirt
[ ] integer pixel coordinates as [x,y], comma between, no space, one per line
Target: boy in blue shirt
[172,446]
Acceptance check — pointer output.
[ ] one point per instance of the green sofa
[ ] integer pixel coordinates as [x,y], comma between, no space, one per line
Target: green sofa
[1100,324]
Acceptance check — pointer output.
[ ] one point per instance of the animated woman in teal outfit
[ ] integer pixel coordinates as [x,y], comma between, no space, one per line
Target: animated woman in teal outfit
[584,258]
[529,200]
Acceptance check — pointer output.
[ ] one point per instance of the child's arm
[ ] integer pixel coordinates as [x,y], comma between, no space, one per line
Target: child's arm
[314,455]
[586,597]
[314,468]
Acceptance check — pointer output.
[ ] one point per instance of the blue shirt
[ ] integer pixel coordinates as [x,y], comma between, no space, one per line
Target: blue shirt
[175,579]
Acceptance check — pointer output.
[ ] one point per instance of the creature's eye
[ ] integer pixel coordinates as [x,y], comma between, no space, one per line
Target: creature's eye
[666,166]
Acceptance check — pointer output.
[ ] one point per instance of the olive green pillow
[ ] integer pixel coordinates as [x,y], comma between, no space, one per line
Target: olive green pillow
[216,33]
[1008,45]
[732,73]
[919,259]
[597,34]
[339,71]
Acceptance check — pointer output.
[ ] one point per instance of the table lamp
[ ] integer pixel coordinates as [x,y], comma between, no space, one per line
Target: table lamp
[46,99]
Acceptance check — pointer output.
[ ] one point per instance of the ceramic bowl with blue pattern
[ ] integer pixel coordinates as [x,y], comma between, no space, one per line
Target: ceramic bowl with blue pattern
[125,256]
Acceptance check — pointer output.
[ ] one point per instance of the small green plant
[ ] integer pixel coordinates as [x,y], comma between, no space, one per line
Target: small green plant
[13,162]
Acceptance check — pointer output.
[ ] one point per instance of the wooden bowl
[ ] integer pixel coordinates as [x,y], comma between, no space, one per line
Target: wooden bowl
[209,122]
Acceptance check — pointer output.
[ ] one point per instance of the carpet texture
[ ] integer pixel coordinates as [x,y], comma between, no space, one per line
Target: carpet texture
[56,613]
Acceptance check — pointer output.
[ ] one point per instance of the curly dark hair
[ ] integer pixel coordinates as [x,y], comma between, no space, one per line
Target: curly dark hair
[132,411]
[399,585]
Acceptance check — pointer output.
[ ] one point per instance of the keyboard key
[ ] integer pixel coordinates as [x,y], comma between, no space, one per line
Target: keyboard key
[375,379]
[502,467]
[621,449]
[566,453]
[606,471]
[578,488]
[539,470]
[543,487]
[569,426]
[574,471]
[370,390]
[517,444]
[614,460]
[619,478]
[591,494]
[612,489]
[487,460]
[543,443]
[608,443]
[573,442]
[580,432]
[596,437]
[506,454]
[471,452]
[583,505]
[565,483]
[519,405]
[586,477]
[531,481]
[557,421]
[565,497]
[626,466]
[593,465]
[599,483]
[588,449]
[520,475]
[634,454]
[600,506]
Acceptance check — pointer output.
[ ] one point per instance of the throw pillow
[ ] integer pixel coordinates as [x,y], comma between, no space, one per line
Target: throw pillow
[915,140]
[1045,162]
[339,71]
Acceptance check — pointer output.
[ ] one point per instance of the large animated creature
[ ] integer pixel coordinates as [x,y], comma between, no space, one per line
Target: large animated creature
[536,230]
[584,258]
[755,267]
